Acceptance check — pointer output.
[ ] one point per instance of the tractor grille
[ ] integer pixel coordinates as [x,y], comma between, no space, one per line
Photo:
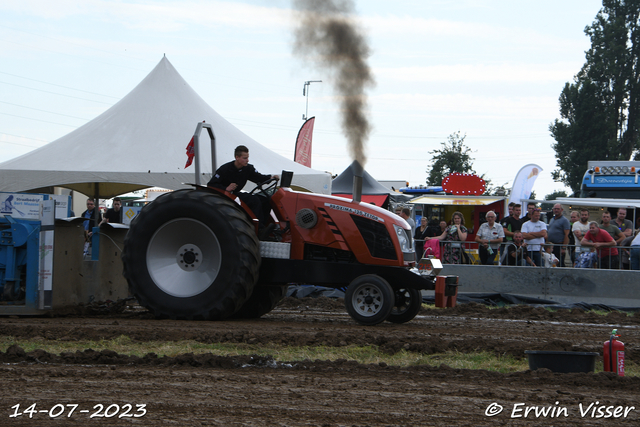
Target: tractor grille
[376,237]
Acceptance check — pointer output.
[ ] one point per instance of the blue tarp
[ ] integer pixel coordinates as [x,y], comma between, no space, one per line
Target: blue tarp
[490,299]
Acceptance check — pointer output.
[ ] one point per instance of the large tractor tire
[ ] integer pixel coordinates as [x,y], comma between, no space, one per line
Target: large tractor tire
[369,299]
[407,305]
[262,300]
[191,255]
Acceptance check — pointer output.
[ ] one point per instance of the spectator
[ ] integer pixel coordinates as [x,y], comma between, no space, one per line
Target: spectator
[613,231]
[512,223]
[90,214]
[405,213]
[558,233]
[587,259]
[534,233]
[517,254]
[602,241]
[433,229]
[581,227]
[113,215]
[634,253]
[443,227]
[625,225]
[510,209]
[489,237]
[531,206]
[420,235]
[548,257]
[456,232]
[575,217]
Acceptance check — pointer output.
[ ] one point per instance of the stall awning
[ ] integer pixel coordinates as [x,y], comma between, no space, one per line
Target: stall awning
[600,203]
[456,200]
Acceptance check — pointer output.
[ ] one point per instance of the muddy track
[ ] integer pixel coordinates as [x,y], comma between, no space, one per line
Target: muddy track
[212,390]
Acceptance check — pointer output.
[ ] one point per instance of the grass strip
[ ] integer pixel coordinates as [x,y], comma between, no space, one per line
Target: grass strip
[361,354]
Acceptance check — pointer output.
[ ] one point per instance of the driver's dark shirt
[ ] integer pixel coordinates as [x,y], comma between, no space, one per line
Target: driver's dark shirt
[228,173]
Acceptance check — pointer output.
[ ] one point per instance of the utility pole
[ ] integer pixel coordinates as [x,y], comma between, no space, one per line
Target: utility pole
[305,92]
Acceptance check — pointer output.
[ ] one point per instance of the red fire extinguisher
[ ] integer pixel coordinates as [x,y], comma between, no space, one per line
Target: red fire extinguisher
[613,354]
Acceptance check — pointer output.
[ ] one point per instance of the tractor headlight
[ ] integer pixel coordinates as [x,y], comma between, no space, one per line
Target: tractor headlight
[405,243]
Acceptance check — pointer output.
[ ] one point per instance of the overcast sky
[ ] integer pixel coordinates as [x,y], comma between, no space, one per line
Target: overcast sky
[492,70]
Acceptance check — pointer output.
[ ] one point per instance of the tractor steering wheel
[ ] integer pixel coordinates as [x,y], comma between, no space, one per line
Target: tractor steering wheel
[265,188]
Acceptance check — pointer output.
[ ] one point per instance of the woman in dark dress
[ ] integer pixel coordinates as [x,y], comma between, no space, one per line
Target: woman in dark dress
[419,237]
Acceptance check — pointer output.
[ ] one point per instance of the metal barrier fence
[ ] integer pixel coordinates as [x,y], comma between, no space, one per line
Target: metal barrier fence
[451,252]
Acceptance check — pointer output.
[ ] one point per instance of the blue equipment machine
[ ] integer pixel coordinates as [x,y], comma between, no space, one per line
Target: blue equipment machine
[26,257]
[39,238]
[19,262]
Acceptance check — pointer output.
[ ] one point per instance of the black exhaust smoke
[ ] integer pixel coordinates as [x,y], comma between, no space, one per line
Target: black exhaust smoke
[328,35]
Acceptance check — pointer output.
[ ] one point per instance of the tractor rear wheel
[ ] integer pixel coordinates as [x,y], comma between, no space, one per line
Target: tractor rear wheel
[369,299]
[262,300]
[191,255]
[407,305]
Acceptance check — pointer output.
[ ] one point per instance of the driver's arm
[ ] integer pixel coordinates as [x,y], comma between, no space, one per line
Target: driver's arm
[255,176]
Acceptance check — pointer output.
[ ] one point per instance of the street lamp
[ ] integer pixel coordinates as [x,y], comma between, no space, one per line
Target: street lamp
[305,92]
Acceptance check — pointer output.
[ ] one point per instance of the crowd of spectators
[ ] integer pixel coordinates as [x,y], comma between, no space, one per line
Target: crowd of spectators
[529,241]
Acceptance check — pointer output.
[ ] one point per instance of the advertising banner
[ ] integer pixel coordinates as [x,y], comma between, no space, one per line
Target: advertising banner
[523,184]
[23,206]
[302,153]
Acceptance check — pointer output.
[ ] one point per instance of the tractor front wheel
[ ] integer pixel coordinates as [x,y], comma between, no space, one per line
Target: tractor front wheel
[369,299]
[407,305]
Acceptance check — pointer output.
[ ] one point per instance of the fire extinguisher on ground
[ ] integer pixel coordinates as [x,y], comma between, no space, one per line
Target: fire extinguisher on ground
[613,354]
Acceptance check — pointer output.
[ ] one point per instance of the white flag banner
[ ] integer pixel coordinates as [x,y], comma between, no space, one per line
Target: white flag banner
[523,184]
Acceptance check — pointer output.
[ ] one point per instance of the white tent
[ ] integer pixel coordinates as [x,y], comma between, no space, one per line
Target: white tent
[141,142]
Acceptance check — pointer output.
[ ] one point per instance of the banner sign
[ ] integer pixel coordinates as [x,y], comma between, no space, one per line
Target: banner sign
[302,153]
[523,184]
[23,206]
[463,184]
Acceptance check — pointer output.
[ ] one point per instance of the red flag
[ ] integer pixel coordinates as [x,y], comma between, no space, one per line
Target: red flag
[190,153]
[302,153]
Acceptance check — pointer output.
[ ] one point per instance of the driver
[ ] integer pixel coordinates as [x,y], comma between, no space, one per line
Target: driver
[234,175]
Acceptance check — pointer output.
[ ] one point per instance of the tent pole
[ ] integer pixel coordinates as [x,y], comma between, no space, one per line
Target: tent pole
[96,196]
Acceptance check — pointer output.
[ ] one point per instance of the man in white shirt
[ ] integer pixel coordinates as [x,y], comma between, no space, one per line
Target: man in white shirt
[489,237]
[534,232]
[580,228]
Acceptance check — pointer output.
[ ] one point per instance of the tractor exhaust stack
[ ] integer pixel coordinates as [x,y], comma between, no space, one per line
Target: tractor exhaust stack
[358,171]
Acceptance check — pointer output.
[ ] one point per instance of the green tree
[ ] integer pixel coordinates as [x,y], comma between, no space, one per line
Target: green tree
[600,110]
[552,196]
[454,156]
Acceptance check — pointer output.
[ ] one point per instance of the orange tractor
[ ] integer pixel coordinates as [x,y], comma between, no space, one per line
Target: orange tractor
[195,254]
